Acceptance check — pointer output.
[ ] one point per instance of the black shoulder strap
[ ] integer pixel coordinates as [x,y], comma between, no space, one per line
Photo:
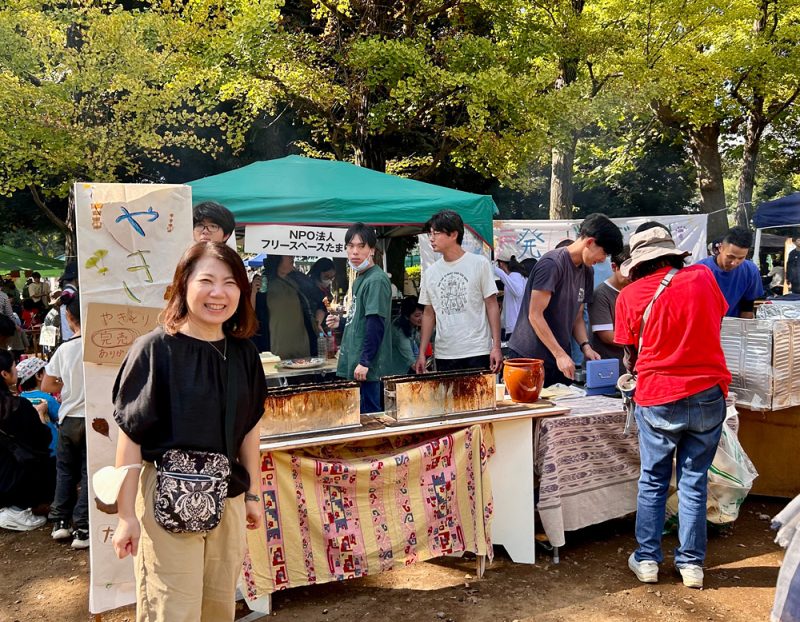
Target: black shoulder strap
[231,391]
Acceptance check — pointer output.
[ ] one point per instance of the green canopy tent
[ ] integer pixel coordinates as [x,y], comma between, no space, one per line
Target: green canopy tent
[299,190]
[16,259]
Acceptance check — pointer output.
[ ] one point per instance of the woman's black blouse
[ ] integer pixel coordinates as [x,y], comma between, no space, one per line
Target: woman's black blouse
[170,393]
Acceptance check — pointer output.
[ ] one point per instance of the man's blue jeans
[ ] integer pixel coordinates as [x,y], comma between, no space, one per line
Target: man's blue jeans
[689,430]
[371,396]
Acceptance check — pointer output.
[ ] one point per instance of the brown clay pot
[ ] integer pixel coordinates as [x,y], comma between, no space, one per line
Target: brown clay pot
[524,379]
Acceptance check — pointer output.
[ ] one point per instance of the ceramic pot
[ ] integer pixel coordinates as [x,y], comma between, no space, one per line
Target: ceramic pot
[524,379]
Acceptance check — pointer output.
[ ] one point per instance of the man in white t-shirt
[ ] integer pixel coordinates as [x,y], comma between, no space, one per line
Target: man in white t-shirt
[39,290]
[460,299]
[64,374]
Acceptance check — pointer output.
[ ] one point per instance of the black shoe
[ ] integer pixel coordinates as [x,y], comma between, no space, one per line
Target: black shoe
[80,539]
[61,530]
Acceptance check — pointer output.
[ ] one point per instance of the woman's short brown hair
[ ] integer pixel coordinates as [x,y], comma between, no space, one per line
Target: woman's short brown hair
[242,323]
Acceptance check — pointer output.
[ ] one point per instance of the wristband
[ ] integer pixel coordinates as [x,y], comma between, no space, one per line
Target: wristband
[249,496]
[585,343]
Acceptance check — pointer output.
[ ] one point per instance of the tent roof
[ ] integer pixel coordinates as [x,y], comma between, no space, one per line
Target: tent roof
[781,212]
[301,190]
[16,259]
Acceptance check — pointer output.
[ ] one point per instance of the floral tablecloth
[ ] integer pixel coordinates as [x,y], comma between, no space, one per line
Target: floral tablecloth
[337,512]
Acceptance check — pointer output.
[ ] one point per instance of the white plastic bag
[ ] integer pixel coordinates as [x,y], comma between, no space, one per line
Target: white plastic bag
[730,478]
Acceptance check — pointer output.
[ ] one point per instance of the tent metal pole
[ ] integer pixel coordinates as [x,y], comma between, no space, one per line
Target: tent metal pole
[756,257]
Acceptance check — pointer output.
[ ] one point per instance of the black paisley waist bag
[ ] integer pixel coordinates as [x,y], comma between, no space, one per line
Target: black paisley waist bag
[192,486]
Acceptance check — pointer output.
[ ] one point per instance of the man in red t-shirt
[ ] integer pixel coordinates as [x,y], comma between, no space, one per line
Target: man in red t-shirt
[680,393]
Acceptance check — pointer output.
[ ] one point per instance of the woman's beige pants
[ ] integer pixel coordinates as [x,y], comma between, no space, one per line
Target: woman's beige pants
[187,577]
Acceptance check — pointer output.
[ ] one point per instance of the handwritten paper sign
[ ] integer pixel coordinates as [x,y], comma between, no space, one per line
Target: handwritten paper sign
[111,329]
[130,237]
[48,335]
[295,240]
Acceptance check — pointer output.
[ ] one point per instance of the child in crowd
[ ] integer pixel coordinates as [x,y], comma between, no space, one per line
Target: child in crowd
[64,374]
[32,315]
[26,469]
[30,373]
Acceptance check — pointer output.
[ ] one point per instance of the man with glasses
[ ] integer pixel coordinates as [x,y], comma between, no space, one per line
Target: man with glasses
[460,299]
[212,222]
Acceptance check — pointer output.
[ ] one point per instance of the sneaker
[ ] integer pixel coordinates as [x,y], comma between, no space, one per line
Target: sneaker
[80,539]
[20,520]
[61,530]
[646,571]
[692,576]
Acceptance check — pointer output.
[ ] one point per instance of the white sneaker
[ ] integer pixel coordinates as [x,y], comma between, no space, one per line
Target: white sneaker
[20,520]
[692,576]
[646,570]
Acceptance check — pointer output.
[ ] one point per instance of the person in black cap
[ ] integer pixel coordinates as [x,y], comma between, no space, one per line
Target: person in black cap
[212,222]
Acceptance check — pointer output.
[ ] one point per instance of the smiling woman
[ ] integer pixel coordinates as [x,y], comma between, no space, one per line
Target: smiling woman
[178,389]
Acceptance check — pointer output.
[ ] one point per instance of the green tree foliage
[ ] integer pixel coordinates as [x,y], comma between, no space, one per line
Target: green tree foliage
[718,71]
[90,90]
[764,62]
[398,86]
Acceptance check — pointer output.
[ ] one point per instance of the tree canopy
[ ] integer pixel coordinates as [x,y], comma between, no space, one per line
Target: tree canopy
[631,107]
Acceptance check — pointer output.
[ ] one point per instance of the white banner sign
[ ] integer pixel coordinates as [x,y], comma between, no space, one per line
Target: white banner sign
[471,244]
[130,237]
[295,240]
[533,238]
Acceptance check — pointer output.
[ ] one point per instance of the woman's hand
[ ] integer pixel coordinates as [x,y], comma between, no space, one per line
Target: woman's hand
[126,537]
[255,513]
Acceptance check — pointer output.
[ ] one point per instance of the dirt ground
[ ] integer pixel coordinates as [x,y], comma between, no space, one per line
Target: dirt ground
[44,580]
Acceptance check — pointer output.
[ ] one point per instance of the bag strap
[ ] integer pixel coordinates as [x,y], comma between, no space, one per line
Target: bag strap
[661,287]
[230,407]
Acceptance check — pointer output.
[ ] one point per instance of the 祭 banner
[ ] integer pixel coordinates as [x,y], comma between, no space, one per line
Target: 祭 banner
[130,237]
[533,238]
[295,240]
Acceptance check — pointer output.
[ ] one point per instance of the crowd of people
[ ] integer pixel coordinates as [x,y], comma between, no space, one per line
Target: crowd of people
[657,316]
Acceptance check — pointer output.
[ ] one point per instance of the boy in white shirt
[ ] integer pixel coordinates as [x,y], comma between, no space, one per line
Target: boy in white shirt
[460,299]
[64,374]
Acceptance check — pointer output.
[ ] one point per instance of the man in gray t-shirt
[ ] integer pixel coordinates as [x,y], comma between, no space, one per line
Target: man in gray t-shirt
[601,313]
[552,306]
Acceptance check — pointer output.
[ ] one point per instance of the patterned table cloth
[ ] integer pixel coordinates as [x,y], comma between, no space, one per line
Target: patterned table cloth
[586,468]
[337,512]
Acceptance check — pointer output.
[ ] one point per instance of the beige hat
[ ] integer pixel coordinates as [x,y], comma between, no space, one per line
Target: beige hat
[504,254]
[650,244]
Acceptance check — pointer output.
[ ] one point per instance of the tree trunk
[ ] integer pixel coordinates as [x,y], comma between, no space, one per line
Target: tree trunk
[71,237]
[369,155]
[561,173]
[747,175]
[368,151]
[67,228]
[704,146]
